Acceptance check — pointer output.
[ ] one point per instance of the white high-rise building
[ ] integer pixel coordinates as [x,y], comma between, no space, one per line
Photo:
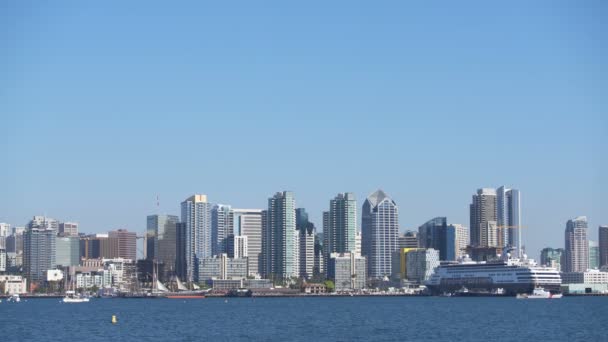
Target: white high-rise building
[577,246]
[358,244]
[196,218]
[461,239]
[248,223]
[484,230]
[380,232]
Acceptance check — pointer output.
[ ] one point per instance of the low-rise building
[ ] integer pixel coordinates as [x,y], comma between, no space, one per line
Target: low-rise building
[589,277]
[13,284]
[314,288]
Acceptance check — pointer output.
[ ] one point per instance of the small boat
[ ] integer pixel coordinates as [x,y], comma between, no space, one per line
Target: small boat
[539,293]
[14,298]
[72,297]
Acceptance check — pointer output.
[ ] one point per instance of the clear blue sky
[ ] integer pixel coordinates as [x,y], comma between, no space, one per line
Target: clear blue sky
[104,105]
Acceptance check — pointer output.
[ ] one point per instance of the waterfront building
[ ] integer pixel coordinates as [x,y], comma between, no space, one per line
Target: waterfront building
[421,263]
[587,277]
[68,228]
[126,243]
[603,245]
[222,267]
[39,251]
[399,267]
[577,247]
[306,250]
[483,215]
[279,244]
[347,271]
[508,215]
[161,241]
[408,240]
[379,229]
[67,251]
[248,224]
[221,228]
[196,218]
[594,255]
[13,284]
[100,279]
[552,257]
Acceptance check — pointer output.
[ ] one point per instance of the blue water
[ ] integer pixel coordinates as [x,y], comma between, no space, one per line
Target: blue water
[308,319]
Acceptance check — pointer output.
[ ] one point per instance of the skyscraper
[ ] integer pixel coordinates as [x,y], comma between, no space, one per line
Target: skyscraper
[161,241]
[39,246]
[196,217]
[408,240]
[603,244]
[483,213]
[221,228]
[306,244]
[248,223]
[126,241]
[508,213]
[67,251]
[68,228]
[435,234]
[577,246]
[461,239]
[379,233]
[342,224]
[594,254]
[280,244]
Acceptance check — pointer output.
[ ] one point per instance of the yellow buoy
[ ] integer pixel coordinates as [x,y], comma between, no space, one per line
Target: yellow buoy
[114,320]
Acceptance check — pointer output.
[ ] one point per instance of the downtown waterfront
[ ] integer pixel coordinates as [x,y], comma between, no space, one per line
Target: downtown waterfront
[309,319]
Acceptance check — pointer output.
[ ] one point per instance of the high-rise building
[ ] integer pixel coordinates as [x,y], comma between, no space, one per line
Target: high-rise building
[436,234]
[2,260]
[39,245]
[380,230]
[248,223]
[237,246]
[96,246]
[508,214]
[221,228]
[594,254]
[222,267]
[306,244]
[347,271]
[68,228]
[43,222]
[552,257]
[4,233]
[461,239]
[319,269]
[67,251]
[358,244]
[483,211]
[280,246]
[127,243]
[161,241]
[603,244]
[196,217]
[577,246]
[408,240]
[342,224]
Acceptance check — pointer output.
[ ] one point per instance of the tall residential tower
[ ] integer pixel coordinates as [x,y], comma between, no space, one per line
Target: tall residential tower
[380,231]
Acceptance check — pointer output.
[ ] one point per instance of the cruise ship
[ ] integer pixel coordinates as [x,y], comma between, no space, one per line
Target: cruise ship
[507,275]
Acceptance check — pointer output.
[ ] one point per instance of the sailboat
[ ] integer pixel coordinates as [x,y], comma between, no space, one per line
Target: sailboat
[72,297]
[184,293]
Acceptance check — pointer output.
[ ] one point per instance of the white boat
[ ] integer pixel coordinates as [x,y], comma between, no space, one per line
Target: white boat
[14,298]
[72,297]
[539,293]
[507,276]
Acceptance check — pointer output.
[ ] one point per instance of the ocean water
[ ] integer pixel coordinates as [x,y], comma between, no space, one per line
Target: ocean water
[308,319]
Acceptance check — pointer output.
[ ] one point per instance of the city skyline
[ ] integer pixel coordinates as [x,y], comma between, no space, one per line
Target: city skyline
[427,103]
